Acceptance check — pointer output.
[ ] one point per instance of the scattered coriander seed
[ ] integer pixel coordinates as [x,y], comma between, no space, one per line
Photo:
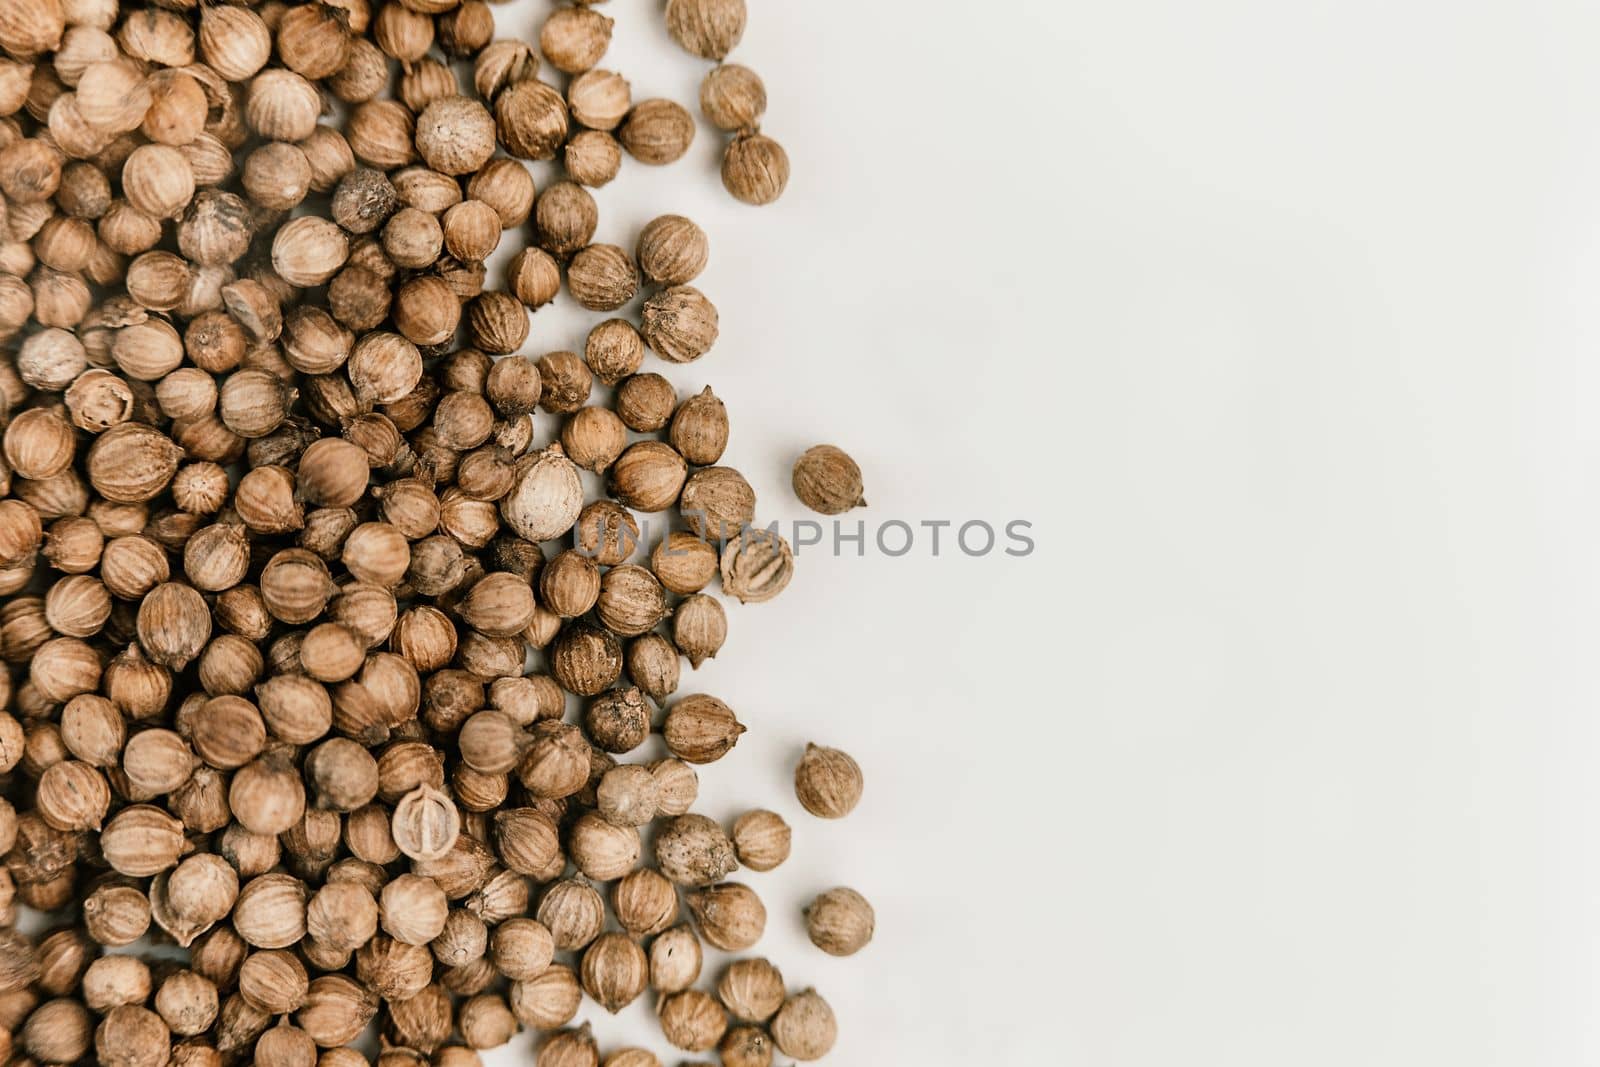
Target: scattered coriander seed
[755,169]
[805,1027]
[733,97]
[827,480]
[761,840]
[827,782]
[709,29]
[730,915]
[692,850]
[840,922]
[243,437]
[691,1020]
[751,989]
[657,132]
[679,324]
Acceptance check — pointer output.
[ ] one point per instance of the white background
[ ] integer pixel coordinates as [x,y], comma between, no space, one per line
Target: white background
[1277,321]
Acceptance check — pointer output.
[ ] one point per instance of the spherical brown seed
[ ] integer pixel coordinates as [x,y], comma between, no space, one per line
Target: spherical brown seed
[675,959]
[521,948]
[235,42]
[751,989]
[699,627]
[585,660]
[174,623]
[827,480]
[307,251]
[531,119]
[761,839]
[755,169]
[840,922]
[599,99]
[679,324]
[645,902]
[602,277]
[827,782]
[526,840]
[657,132]
[733,97]
[631,601]
[336,1010]
[614,971]
[187,1002]
[333,472]
[500,605]
[730,915]
[618,720]
[574,38]
[573,913]
[677,786]
[613,351]
[746,1046]
[455,135]
[672,250]
[565,218]
[700,428]
[382,133]
[533,277]
[272,982]
[592,158]
[805,1027]
[132,1036]
[57,1031]
[648,476]
[132,462]
[570,583]
[471,230]
[569,1048]
[157,180]
[684,563]
[27,29]
[602,850]
[547,498]
[271,911]
[74,796]
[709,29]
[556,764]
[692,850]
[566,380]
[414,909]
[506,186]
[342,915]
[692,1020]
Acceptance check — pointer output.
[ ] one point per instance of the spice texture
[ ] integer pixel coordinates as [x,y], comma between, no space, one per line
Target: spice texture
[349,612]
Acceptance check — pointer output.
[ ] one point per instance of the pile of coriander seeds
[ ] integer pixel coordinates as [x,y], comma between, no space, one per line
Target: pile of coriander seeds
[326,685]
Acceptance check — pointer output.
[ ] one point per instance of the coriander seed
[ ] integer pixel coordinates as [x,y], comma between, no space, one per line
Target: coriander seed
[761,840]
[827,782]
[805,1027]
[657,132]
[827,480]
[755,169]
